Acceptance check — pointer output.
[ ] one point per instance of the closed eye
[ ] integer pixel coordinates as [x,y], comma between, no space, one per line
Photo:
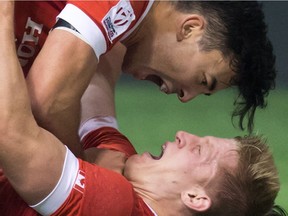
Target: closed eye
[211,85]
[197,150]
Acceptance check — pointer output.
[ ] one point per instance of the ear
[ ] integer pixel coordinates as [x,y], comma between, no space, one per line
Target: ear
[196,199]
[192,25]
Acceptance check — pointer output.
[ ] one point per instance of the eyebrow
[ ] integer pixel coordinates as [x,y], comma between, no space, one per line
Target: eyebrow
[212,86]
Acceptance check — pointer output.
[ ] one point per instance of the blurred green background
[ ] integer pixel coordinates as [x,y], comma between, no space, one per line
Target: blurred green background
[149,118]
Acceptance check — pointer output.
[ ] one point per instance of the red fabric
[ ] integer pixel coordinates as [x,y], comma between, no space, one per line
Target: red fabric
[104,193]
[103,8]
[101,192]
[108,138]
[33,21]
[10,203]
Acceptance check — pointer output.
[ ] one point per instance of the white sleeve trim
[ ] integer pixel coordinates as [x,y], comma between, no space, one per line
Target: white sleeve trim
[59,194]
[95,123]
[86,26]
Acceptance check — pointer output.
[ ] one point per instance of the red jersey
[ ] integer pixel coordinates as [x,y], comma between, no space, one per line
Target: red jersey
[10,202]
[99,23]
[93,190]
[33,21]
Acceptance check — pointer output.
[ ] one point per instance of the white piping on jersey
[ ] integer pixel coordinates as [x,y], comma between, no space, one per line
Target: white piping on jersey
[62,190]
[86,26]
[150,3]
[155,214]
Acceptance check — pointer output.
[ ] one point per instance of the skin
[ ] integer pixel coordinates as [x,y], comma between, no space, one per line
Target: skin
[186,71]
[24,166]
[186,167]
[18,126]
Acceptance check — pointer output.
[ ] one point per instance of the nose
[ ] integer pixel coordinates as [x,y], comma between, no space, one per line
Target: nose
[187,96]
[182,138]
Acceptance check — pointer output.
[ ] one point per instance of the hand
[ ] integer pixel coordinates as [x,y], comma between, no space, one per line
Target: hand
[109,159]
[7,14]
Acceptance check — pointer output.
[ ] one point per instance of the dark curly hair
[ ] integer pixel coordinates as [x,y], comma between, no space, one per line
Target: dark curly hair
[277,211]
[237,29]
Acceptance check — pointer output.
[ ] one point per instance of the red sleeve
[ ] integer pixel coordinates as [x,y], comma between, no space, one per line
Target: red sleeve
[108,138]
[98,191]
[10,202]
[113,18]
[33,21]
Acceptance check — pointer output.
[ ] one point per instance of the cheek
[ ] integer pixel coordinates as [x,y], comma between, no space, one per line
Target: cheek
[203,174]
[189,77]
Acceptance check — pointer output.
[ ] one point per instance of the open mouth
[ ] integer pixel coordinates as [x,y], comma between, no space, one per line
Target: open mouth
[163,86]
[181,94]
[161,154]
[159,82]
[155,79]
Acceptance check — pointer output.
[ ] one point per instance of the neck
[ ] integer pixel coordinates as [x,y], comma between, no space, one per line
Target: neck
[143,30]
[162,206]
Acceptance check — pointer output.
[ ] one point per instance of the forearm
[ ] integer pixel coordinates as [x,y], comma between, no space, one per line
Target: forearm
[64,125]
[98,110]
[99,98]
[12,100]
[98,101]
[24,147]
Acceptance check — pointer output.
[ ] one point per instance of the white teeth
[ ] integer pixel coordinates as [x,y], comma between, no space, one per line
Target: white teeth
[164,88]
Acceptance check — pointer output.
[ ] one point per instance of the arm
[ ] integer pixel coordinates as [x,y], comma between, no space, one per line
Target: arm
[99,101]
[56,88]
[99,97]
[56,82]
[31,157]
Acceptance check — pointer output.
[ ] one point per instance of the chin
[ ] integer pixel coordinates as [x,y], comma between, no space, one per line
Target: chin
[127,63]
[127,69]
[131,65]
[130,71]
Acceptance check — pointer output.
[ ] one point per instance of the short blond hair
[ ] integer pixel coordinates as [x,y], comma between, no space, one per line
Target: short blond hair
[251,189]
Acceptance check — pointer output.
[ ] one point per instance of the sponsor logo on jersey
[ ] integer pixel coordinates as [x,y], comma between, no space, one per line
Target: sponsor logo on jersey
[30,39]
[118,19]
[80,181]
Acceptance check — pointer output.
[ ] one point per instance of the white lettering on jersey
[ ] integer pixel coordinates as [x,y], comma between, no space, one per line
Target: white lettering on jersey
[80,181]
[118,19]
[29,40]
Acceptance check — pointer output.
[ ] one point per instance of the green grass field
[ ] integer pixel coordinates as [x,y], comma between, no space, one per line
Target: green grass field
[149,118]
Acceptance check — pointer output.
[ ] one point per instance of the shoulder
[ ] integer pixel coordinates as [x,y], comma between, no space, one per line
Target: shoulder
[103,191]
[104,27]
